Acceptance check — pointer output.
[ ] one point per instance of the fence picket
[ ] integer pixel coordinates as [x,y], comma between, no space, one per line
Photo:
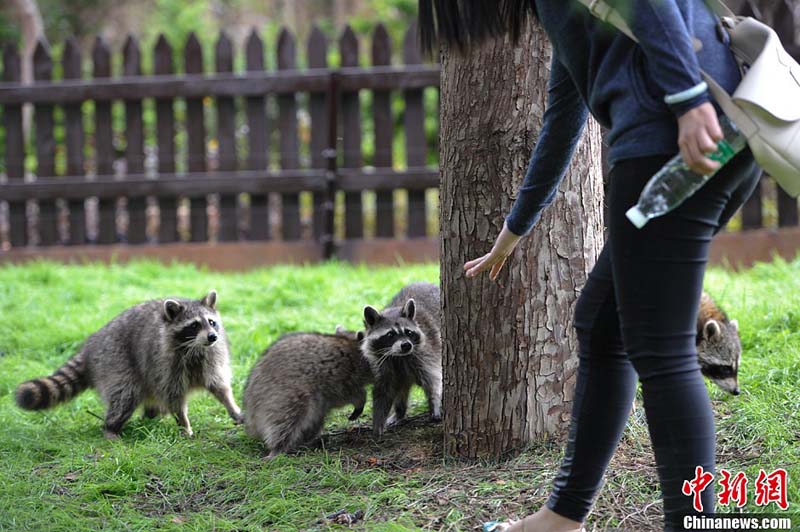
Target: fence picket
[165,140]
[318,58]
[15,148]
[103,140]
[351,137]
[783,23]
[196,132]
[134,150]
[45,146]
[71,62]
[287,125]
[226,139]
[258,137]
[382,116]
[415,137]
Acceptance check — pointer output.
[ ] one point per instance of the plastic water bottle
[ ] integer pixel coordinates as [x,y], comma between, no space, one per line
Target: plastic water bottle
[675,182]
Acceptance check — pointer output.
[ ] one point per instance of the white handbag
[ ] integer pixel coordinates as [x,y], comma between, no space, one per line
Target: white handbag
[766,104]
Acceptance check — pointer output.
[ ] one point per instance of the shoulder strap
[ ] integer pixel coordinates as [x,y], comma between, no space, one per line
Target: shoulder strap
[721,9]
[607,13]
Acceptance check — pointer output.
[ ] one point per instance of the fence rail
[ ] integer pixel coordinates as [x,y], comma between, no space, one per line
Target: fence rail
[252,145]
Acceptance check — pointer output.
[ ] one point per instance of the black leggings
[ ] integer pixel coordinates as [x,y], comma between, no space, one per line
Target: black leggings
[636,318]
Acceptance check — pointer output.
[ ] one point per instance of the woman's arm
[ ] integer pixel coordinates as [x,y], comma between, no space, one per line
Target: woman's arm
[563,122]
[668,46]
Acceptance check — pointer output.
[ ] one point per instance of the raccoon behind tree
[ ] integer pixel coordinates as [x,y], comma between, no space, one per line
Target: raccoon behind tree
[298,380]
[719,350]
[404,345]
[153,353]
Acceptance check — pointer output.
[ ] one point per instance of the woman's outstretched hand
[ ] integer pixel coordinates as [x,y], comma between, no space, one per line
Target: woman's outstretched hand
[496,258]
[698,134]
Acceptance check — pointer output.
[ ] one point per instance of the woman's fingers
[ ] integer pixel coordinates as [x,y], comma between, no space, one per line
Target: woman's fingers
[705,143]
[492,262]
[471,264]
[496,269]
[715,130]
[480,265]
[698,132]
[695,158]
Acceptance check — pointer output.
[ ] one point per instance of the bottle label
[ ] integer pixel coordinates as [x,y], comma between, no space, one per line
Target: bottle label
[724,152]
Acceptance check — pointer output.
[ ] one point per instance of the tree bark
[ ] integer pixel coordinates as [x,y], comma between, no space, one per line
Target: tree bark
[509,351]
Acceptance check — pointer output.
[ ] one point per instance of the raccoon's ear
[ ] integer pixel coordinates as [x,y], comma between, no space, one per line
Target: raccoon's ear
[172,308]
[340,330]
[735,324]
[711,330]
[371,316]
[210,300]
[409,309]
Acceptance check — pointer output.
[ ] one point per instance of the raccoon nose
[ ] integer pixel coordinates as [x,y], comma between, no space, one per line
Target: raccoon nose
[735,391]
[212,337]
[405,347]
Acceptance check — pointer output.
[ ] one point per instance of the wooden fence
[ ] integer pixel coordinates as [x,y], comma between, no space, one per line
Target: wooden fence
[269,165]
[246,139]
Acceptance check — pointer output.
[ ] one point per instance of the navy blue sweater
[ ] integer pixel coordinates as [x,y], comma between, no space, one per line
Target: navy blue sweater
[597,69]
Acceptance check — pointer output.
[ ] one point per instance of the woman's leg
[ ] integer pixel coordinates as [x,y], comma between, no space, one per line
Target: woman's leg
[606,380]
[604,391]
[605,387]
[658,277]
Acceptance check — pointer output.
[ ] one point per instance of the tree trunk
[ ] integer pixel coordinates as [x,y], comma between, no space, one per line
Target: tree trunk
[509,348]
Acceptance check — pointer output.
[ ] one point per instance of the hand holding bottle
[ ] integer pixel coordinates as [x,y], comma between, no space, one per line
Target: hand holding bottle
[698,134]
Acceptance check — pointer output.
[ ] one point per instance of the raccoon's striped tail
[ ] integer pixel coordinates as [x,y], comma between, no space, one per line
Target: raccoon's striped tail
[67,382]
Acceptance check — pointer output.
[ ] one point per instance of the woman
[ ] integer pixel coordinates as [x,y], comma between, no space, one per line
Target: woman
[635,318]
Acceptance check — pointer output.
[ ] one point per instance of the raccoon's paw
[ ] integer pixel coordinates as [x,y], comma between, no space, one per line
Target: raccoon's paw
[107,434]
[436,417]
[237,418]
[188,432]
[356,414]
[271,456]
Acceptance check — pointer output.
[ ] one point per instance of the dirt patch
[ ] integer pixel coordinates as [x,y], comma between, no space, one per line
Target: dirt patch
[156,501]
[462,495]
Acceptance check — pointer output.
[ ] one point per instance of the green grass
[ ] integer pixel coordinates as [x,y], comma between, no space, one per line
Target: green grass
[58,473]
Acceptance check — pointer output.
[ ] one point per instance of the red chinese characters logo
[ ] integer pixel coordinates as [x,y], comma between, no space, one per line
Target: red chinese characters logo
[769,488]
[772,488]
[732,488]
[696,486]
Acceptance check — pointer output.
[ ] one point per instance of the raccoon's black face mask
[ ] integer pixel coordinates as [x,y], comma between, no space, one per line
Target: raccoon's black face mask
[392,333]
[195,325]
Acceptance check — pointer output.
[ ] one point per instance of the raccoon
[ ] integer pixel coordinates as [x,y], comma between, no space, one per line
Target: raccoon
[298,380]
[153,353]
[719,350]
[404,345]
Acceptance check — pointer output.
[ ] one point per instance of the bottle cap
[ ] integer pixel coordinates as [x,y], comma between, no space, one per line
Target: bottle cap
[636,217]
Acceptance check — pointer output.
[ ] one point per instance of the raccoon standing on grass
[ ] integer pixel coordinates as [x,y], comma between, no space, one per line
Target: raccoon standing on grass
[153,353]
[297,381]
[719,350]
[404,345]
